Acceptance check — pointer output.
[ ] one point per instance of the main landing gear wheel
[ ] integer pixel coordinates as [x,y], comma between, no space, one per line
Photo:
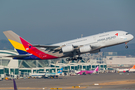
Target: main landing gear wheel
[74,58]
[126,46]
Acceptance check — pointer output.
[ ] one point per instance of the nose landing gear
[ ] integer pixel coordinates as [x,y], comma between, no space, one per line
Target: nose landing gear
[74,58]
[126,45]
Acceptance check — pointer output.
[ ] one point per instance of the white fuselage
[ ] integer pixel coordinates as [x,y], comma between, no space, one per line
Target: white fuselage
[89,44]
[131,70]
[100,40]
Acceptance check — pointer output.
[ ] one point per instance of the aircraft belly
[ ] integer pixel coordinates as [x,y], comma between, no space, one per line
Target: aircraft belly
[56,54]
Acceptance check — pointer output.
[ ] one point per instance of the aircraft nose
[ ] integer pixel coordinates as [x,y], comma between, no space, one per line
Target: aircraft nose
[132,36]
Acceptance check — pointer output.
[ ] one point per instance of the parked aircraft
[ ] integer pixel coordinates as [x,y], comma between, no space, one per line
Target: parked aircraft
[127,70]
[122,70]
[87,71]
[132,69]
[71,49]
[46,74]
[54,74]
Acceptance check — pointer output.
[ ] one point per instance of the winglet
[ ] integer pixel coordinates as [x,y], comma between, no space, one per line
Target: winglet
[15,86]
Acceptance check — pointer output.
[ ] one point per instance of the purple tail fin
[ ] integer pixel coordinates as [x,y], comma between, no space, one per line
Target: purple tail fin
[15,87]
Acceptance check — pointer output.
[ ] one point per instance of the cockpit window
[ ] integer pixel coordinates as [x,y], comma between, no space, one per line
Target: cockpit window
[127,33]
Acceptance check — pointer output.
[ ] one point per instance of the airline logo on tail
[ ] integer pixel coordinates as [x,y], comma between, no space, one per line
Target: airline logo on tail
[25,49]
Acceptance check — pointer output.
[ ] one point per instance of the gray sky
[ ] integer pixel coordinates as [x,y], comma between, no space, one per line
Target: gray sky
[52,21]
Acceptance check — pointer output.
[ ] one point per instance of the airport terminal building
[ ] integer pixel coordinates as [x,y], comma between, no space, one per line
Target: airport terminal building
[16,67]
[90,62]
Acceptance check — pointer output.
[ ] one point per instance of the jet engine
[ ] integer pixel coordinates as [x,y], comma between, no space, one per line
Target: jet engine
[86,48]
[68,48]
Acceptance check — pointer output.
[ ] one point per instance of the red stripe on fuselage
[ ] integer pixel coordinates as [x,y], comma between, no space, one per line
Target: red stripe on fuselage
[33,50]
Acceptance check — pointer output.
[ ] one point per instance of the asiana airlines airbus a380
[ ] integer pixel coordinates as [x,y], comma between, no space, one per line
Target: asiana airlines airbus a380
[71,49]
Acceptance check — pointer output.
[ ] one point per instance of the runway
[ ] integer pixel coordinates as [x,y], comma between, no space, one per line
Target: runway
[83,82]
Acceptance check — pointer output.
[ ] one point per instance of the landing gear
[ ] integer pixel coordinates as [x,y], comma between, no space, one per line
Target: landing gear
[126,45]
[74,58]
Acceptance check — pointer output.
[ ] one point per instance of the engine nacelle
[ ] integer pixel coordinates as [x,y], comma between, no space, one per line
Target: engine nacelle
[68,48]
[85,49]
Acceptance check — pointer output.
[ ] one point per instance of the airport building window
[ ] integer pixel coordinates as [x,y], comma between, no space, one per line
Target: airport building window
[105,66]
[5,62]
[52,66]
[72,67]
[53,70]
[11,71]
[66,68]
[76,67]
[6,70]
[84,67]
[102,66]
[1,71]
[41,69]
[47,70]
[69,67]
[34,71]
[50,70]
[29,71]
[93,66]
[88,67]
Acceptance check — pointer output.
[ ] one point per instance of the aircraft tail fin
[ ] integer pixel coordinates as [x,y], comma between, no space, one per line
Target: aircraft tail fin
[14,83]
[18,43]
[96,69]
[61,70]
[133,67]
[26,50]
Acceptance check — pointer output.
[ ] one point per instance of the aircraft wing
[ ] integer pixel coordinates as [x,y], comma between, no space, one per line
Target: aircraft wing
[51,47]
[46,46]
[58,48]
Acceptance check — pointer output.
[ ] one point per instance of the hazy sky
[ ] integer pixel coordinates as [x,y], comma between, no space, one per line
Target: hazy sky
[52,21]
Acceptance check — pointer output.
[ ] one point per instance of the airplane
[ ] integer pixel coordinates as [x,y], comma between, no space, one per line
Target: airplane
[40,74]
[88,71]
[14,83]
[127,70]
[54,74]
[71,49]
[122,70]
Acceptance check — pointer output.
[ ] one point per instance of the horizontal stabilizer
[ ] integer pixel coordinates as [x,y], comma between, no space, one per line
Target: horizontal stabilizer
[19,56]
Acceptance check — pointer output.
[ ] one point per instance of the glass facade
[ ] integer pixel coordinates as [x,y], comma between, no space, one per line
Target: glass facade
[44,63]
[6,70]
[1,71]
